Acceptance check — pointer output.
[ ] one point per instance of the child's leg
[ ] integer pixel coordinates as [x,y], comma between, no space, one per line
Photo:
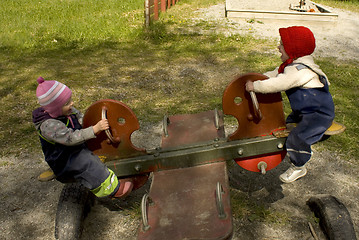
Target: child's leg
[293,118]
[87,168]
[307,132]
[298,149]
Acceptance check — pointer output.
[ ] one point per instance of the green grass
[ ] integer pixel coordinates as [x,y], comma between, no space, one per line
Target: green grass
[100,50]
[344,88]
[141,79]
[39,24]
[351,5]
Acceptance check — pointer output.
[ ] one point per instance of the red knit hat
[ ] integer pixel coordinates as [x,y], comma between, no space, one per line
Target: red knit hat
[298,41]
[52,96]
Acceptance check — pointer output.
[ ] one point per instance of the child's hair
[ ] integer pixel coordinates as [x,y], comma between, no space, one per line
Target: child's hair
[298,41]
[52,96]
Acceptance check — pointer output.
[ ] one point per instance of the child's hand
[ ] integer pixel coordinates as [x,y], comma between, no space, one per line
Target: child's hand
[249,86]
[100,126]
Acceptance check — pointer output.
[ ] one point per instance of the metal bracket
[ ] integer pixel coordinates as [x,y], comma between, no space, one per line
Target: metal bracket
[262,166]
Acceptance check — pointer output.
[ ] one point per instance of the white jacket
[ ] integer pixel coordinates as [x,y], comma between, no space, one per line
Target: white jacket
[291,77]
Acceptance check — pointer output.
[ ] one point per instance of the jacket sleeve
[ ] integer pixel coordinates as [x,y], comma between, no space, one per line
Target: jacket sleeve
[291,78]
[56,131]
[272,73]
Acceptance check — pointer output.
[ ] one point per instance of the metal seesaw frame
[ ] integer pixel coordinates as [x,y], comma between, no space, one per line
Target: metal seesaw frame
[190,170]
[196,154]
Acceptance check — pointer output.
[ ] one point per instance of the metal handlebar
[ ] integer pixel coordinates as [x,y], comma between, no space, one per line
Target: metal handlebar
[108,133]
[220,207]
[255,104]
[216,118]
[165,124]
[144,201]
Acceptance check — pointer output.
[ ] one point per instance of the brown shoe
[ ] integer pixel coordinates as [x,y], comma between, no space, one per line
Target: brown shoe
[47,175]
[335,128]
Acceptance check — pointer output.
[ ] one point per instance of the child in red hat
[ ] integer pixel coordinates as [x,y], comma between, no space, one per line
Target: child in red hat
[63,142]
[307,88]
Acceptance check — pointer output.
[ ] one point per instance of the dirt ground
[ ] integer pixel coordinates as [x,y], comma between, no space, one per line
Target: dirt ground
[337,39]
[28,207]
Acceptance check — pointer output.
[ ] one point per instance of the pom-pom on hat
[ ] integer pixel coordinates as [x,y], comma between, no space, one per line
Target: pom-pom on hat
[52,96]
[298,41]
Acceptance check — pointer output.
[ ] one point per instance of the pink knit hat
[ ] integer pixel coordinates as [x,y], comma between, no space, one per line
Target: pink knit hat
[52,96]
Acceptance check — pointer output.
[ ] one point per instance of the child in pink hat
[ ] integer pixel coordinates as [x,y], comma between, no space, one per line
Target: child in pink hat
[307,88]
[63,142]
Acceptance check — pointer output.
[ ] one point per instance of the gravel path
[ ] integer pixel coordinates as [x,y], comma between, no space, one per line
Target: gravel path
[337,39]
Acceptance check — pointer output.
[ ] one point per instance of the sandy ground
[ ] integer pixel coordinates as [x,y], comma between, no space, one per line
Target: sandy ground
[28,207]
[337,39]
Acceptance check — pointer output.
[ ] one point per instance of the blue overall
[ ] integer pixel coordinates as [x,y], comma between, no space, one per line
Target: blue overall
[313,111]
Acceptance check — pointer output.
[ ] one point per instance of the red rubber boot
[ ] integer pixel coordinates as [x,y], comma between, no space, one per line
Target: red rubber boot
[125,188]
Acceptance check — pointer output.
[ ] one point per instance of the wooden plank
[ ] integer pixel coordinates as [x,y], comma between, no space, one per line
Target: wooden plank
[163,5]
[276,15]
[183,204]
[156,8]
[151,11]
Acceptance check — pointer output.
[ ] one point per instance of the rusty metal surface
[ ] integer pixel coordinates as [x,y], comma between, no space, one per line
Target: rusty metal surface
[238,103]
[123,123]
[183,201]
[192,128]
[182,204]
[251,164]
[249,125]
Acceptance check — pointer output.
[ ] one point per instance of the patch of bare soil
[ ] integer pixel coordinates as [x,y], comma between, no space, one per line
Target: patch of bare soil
[28,207]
